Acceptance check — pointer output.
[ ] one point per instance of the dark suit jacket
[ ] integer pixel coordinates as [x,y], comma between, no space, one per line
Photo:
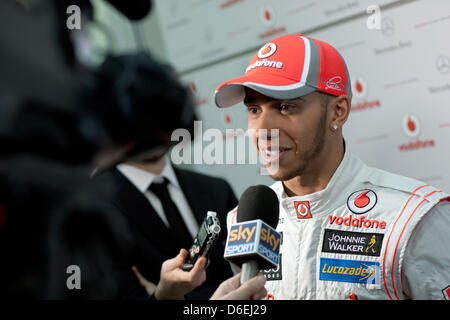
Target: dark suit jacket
[151,240]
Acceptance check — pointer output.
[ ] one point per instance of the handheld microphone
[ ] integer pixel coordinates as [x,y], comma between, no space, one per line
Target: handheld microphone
[253,242]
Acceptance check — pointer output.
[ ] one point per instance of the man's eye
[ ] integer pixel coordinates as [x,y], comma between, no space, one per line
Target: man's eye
[285,107]
[252,109]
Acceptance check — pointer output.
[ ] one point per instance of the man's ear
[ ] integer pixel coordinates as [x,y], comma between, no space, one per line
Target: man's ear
[339,110]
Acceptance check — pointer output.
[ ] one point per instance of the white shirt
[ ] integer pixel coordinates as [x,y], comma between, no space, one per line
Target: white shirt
[142,180]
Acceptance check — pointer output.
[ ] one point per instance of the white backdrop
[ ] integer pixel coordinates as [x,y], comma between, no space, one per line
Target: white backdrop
[400,119]
[199,31]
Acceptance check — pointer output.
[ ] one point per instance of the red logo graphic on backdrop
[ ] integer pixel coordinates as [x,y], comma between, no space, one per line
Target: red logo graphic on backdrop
[362,201]
[193,86]
[268,16]
[198,100]
[359,87]
[411,125]
[302,209]
[360,91]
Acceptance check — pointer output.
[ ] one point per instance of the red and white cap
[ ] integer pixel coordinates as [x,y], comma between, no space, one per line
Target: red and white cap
[289,67]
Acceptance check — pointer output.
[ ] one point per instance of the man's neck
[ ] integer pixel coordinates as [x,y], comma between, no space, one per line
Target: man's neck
[155,167]
[316,177]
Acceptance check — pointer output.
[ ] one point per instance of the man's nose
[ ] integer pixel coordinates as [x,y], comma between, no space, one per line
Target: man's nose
[265,121]
[266,127]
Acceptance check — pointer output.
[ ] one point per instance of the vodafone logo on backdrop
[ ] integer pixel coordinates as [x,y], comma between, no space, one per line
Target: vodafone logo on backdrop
[268,16]
[268,19]
[360,92]
[359,87]
[411,125]
[198,101]
[193,86]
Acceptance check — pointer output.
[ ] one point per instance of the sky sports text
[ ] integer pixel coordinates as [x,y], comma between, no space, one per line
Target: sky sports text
[242,233]
[234,146]
[268,254]
[254,237]
[245,233]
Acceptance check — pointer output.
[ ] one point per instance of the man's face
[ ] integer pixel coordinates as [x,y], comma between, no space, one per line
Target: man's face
[302,126]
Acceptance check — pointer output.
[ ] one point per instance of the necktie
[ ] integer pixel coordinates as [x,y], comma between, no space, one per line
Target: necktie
[177,227]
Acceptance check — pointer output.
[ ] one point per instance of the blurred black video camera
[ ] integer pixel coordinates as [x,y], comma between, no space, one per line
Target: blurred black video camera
[58,117]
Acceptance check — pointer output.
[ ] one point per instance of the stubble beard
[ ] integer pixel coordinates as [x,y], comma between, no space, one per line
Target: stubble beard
[308,156]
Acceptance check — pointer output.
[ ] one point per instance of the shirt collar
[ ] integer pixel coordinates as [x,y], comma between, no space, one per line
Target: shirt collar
[169,173]
[345,178]
[142,179]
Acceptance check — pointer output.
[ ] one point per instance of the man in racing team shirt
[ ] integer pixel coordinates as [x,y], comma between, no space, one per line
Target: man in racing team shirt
[349,231]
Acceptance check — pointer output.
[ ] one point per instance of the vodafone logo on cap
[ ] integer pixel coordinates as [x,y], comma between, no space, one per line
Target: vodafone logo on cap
[361,201]
[267,50]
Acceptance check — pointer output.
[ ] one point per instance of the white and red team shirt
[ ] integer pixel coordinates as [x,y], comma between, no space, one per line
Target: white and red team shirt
[369,234]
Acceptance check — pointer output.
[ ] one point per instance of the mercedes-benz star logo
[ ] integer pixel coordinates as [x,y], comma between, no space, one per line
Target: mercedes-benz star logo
[443,64]
[387,26]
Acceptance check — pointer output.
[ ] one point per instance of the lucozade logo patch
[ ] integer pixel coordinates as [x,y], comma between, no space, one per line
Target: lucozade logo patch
[349,271]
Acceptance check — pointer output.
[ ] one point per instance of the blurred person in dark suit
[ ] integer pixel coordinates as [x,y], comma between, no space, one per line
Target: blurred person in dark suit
[118,226]
[147,210]
[156,234]
[60,115]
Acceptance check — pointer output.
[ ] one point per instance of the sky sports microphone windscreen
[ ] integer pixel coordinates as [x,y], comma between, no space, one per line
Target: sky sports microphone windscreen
[259,202]
[254,237]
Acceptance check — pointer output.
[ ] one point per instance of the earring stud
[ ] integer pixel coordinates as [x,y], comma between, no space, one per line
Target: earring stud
[335,126]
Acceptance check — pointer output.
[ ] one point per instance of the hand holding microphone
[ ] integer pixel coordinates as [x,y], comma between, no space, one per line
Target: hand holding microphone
[175,283]
[232,289]
[253,242]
